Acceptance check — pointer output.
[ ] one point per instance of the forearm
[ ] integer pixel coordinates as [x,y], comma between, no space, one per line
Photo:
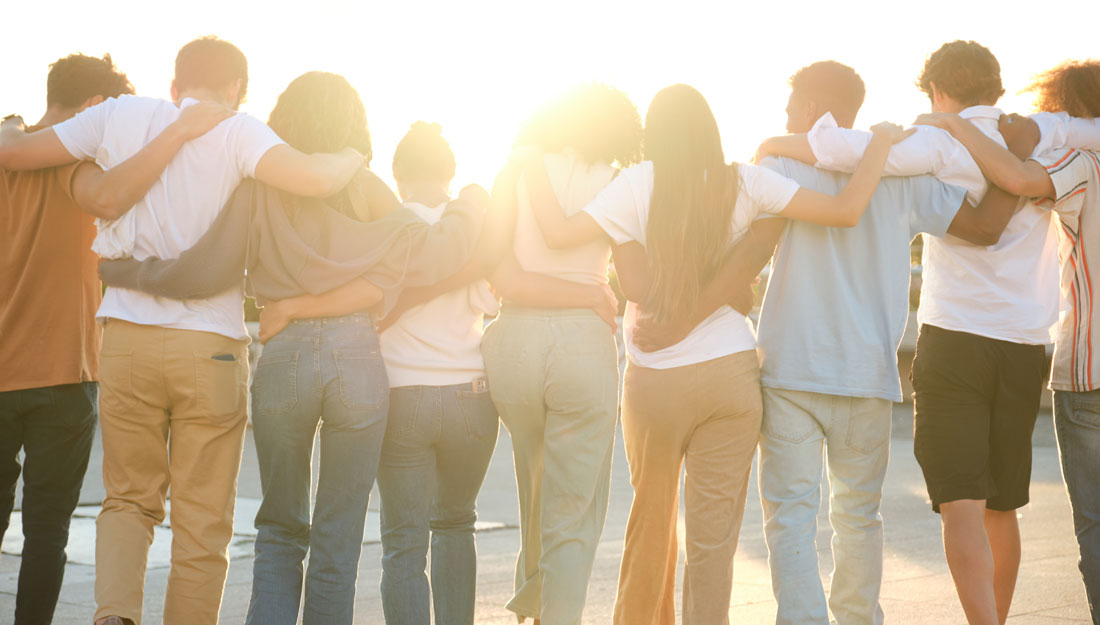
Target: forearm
[359,295]
[741,267]
[796,146]
[632,270]
[21,151]
[118,189]
[854,197]
[983,224]
[1000,166]
[559,231]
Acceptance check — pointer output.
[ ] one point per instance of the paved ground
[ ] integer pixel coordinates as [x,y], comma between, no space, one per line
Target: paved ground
[917,589]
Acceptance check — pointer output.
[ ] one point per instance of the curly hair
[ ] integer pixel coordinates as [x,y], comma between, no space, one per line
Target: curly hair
[321,112]
[964,70]
[598,121]
[423,154]
[75,78]
[211,63]
[834,86]
[1072,87]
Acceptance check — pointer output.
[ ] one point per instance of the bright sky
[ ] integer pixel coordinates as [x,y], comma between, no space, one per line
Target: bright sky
[480,67]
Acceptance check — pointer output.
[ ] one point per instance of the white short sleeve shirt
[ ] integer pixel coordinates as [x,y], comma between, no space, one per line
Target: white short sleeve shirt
[179,207]
[622,210]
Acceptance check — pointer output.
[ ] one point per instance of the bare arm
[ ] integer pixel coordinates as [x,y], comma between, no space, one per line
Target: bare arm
[632,269]
[796,146]
[1003,168]
[845,208]
[358,295]
[109,194]
[20,150]
[736,275]
[496,234]
[308,175]
[536,290]
[559,231]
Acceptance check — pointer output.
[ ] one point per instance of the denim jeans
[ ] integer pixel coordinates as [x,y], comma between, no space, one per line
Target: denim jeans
[855,435]
[1077,425]
[327,373]
[54,426]
[439,440]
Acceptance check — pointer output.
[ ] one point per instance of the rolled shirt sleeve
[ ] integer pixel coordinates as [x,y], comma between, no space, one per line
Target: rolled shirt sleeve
[251,140]
[929,150]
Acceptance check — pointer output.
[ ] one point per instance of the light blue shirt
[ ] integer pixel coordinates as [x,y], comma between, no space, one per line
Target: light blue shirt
[838,298]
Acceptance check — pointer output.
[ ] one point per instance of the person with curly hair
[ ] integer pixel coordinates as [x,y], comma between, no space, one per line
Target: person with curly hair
[1066,182]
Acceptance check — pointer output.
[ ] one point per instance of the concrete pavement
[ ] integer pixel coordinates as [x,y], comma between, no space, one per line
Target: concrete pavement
[917,587]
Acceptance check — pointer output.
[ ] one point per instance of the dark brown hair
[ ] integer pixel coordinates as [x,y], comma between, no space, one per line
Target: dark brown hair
[694,191]
[964,70]
[835,87]
[211,63]
[598,121]
[1072,87]
[423,154]
[321,112]
[75,78]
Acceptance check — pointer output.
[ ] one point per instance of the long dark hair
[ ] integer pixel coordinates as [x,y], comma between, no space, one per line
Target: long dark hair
[694,191]
[321,112]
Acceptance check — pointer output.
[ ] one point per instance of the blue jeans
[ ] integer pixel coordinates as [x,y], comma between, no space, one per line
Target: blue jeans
[439,440]
[326,372]
[55,427]
[1077,425]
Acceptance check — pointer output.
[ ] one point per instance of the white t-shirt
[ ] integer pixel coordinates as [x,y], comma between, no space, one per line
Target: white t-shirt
[575,183]
[439,342]
[1007,291]
[622,210]
[179,207]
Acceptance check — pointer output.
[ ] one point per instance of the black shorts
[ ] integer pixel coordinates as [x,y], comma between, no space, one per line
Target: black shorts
[975,401]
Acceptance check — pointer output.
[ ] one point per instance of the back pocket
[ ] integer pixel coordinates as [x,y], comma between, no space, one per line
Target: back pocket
[480,413]
[275,388]
[363,383]
[220,383]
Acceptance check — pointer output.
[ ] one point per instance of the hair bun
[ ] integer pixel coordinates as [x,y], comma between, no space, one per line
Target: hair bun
[430,128]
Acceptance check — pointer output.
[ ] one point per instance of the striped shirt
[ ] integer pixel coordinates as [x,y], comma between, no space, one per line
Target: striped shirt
[1076,178]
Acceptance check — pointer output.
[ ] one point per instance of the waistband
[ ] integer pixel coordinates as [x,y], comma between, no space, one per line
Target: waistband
[359,318]
[525,312]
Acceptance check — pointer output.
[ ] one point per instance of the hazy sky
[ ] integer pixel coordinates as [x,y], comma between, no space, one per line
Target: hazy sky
[480,67]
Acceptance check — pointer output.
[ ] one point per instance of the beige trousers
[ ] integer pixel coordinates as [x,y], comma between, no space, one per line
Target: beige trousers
[705,416]
[172,413]
[554,377]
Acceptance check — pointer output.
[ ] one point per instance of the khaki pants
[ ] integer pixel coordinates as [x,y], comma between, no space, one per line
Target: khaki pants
[172,412]
[706,416]
[554,377]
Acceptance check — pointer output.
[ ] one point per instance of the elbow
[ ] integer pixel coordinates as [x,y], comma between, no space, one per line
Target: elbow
[105,208]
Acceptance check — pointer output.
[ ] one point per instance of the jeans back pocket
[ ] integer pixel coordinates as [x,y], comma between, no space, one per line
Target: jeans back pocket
[481,416]
[275,387]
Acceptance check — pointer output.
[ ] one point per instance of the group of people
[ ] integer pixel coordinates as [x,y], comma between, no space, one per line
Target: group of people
[373,316]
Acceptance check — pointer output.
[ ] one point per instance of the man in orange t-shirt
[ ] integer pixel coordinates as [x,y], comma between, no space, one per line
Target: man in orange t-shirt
[49,342]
